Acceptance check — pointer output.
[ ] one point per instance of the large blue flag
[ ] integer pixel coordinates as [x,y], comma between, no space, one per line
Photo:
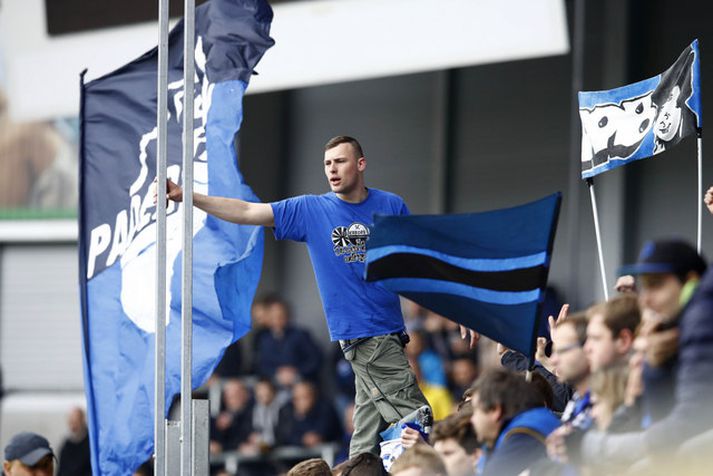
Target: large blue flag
[640,120]
[487,271]
[118,228]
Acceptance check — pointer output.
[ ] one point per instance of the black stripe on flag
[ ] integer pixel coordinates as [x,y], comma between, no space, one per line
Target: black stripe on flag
[412,265]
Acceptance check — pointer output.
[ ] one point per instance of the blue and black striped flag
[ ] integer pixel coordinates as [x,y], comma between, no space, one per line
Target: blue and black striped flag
[487,271]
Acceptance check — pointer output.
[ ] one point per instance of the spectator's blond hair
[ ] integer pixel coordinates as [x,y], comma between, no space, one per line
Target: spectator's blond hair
[420,456]
[618,313]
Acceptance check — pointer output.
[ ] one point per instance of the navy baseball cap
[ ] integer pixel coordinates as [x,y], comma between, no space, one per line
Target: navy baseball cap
[27,447]
[666,256]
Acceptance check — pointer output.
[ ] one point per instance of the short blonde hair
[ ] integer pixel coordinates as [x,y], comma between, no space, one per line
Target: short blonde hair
[420,456]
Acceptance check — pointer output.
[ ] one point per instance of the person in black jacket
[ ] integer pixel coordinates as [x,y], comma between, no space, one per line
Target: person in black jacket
[74,457]
[285,352]
[307,420]
[233,425]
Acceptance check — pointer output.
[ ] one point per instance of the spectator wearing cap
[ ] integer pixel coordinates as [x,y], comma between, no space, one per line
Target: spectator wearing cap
[28,454]
[691,415]
[668,273]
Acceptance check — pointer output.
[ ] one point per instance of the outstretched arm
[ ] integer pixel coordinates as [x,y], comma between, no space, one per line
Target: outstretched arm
[233,210]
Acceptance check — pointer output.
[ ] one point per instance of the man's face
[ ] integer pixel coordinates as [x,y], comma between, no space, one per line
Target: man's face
[601,347]
[568,356]
[486,423]
[45,467]
[464,372]
[277,317]
[303,398]
[342,168]
[660,294]
[457,461]
[264,393]
[235,395]
[75,421]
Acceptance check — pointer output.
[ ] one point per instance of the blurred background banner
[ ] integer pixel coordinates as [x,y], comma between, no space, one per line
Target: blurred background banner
[118,227]
[38,167]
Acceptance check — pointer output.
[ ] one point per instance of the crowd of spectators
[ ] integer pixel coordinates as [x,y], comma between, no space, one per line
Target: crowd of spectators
[621,387]
[280,389]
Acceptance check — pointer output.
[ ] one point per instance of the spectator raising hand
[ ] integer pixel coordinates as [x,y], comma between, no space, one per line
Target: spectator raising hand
[708,199]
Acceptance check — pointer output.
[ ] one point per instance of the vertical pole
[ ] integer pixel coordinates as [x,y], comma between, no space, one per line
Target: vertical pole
[593,197]
[699,234]
[173,447]
[575,152]
[160,335]
[187,284]
[201,436]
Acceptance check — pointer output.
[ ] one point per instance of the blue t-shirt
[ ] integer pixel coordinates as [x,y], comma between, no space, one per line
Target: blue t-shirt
[336,232]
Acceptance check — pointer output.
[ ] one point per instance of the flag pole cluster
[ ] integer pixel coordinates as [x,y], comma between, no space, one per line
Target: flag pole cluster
[118,226]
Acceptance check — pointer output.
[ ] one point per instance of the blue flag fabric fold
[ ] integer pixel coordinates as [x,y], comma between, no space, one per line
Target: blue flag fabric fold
[642,119]
[487,271]
[118,227]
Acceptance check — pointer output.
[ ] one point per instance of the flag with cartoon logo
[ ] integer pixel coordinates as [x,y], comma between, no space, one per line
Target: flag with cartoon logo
[642,119]
[118,226]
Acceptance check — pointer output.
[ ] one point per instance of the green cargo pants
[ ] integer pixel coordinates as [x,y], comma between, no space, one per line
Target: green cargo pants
[386,389]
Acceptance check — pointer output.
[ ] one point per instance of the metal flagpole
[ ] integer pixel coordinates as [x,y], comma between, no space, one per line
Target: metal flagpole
[593,197]
[187,287]
[160,336]
[699,234]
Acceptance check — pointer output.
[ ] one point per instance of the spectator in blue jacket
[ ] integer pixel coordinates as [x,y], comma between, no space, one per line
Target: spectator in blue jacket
[510,420]
[286,353]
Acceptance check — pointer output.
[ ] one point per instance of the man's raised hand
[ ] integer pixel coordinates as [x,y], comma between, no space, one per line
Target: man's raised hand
[474,336]
[173,191]
[564,311]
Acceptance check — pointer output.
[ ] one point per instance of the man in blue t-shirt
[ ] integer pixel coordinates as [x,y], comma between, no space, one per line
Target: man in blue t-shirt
[364,317]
